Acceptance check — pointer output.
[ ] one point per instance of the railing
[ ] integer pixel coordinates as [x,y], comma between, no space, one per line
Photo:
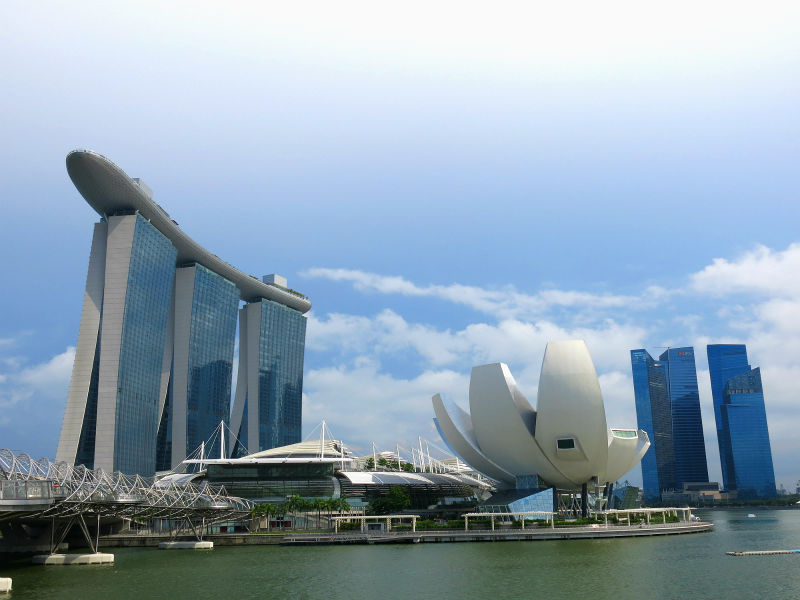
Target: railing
[26,490]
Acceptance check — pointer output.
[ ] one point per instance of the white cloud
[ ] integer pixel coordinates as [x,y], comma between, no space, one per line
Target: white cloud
[502,303]
[362,404]
[48,380]
[511,340]
[760,271]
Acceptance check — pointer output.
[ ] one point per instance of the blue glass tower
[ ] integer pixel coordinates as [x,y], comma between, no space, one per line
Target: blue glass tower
[724,362]
[198,397]
[745,451]
[121,345]
[280,375]
[269,391]
[687,424]
[654,416]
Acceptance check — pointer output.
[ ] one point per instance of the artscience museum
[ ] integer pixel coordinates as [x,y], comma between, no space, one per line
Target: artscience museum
[562,443]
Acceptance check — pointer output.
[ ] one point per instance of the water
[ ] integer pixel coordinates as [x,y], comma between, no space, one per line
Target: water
[683,566]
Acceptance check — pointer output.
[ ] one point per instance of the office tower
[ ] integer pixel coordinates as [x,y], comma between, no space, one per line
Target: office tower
[725,361]
[687,423]
[269,389]
[153,364]
[744,446]
[668,409]
[654,416]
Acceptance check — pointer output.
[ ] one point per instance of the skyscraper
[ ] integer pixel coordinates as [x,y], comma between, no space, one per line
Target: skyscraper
[269,389]
[744,446]
[654,416]
[668,409]
[153,364]
[206,305]
[687,423]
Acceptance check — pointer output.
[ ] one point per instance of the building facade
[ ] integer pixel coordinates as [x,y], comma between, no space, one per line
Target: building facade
[269,390]
[668,409]
[744,446]
[154,360]
[654,416]
[687,423]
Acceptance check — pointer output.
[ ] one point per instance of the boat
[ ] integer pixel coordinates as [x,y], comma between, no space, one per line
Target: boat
[751,516]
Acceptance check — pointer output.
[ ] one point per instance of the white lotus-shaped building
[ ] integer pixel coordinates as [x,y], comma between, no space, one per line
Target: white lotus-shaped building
[565,441]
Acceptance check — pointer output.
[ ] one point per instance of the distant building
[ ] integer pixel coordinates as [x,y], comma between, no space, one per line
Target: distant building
[668,409]
[744,446]
[154,359]
[654,416]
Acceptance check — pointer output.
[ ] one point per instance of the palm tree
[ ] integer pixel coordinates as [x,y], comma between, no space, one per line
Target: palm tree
[319,504]
[292,505]
[270,510]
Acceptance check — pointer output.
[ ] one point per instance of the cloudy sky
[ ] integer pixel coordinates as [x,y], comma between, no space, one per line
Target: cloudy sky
[451,184]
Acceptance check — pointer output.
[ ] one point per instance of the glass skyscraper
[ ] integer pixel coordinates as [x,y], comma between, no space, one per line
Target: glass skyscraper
[269,394]
[744,446]
[668,409]
[205,311]
[118,360]
[687,423]
[654,416]
[154,360]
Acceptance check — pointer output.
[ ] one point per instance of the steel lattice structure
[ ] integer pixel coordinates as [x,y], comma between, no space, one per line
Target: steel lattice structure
[46,489]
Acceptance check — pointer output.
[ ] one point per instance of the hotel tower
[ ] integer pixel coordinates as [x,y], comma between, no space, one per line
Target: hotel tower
[154,360]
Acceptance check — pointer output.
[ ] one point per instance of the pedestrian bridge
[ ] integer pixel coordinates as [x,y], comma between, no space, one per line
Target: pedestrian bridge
[58,495]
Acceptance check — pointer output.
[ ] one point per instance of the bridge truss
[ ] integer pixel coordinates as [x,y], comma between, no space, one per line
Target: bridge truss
[65,495]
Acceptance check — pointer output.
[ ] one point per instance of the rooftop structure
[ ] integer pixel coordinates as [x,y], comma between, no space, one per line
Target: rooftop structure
[326,468]
[109,191]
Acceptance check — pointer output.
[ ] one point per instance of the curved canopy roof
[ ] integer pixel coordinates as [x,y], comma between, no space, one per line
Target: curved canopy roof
[403,478]
[108,190]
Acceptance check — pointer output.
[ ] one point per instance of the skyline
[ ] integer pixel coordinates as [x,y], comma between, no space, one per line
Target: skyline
[447,203]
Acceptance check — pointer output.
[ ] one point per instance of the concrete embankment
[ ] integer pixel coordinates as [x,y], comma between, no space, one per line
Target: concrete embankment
[226,539]
[95,558]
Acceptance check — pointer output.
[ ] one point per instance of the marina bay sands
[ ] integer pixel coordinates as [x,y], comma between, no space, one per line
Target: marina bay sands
[153,367]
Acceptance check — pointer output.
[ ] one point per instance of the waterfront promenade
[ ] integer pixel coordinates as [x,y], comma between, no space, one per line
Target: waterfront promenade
[501,534]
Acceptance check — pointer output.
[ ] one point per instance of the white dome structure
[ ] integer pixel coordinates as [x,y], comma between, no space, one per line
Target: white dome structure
[565,442]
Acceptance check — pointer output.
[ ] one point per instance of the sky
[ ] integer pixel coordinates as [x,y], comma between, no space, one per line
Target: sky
[450,183]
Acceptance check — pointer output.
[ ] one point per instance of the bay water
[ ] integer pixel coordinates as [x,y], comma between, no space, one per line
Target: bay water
[691,566]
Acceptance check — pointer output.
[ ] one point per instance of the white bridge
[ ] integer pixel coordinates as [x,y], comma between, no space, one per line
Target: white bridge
[41,500]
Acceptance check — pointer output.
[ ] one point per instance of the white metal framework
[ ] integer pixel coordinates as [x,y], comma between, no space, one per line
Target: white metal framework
[43,488]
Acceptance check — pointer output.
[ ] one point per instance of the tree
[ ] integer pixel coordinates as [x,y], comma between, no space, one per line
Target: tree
[293,505]
[396,500]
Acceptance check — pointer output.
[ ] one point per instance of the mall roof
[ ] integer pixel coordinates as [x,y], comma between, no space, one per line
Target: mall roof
[407,479]
[310,451]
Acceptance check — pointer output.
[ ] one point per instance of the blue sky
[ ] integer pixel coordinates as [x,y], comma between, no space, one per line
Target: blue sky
[451,184]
